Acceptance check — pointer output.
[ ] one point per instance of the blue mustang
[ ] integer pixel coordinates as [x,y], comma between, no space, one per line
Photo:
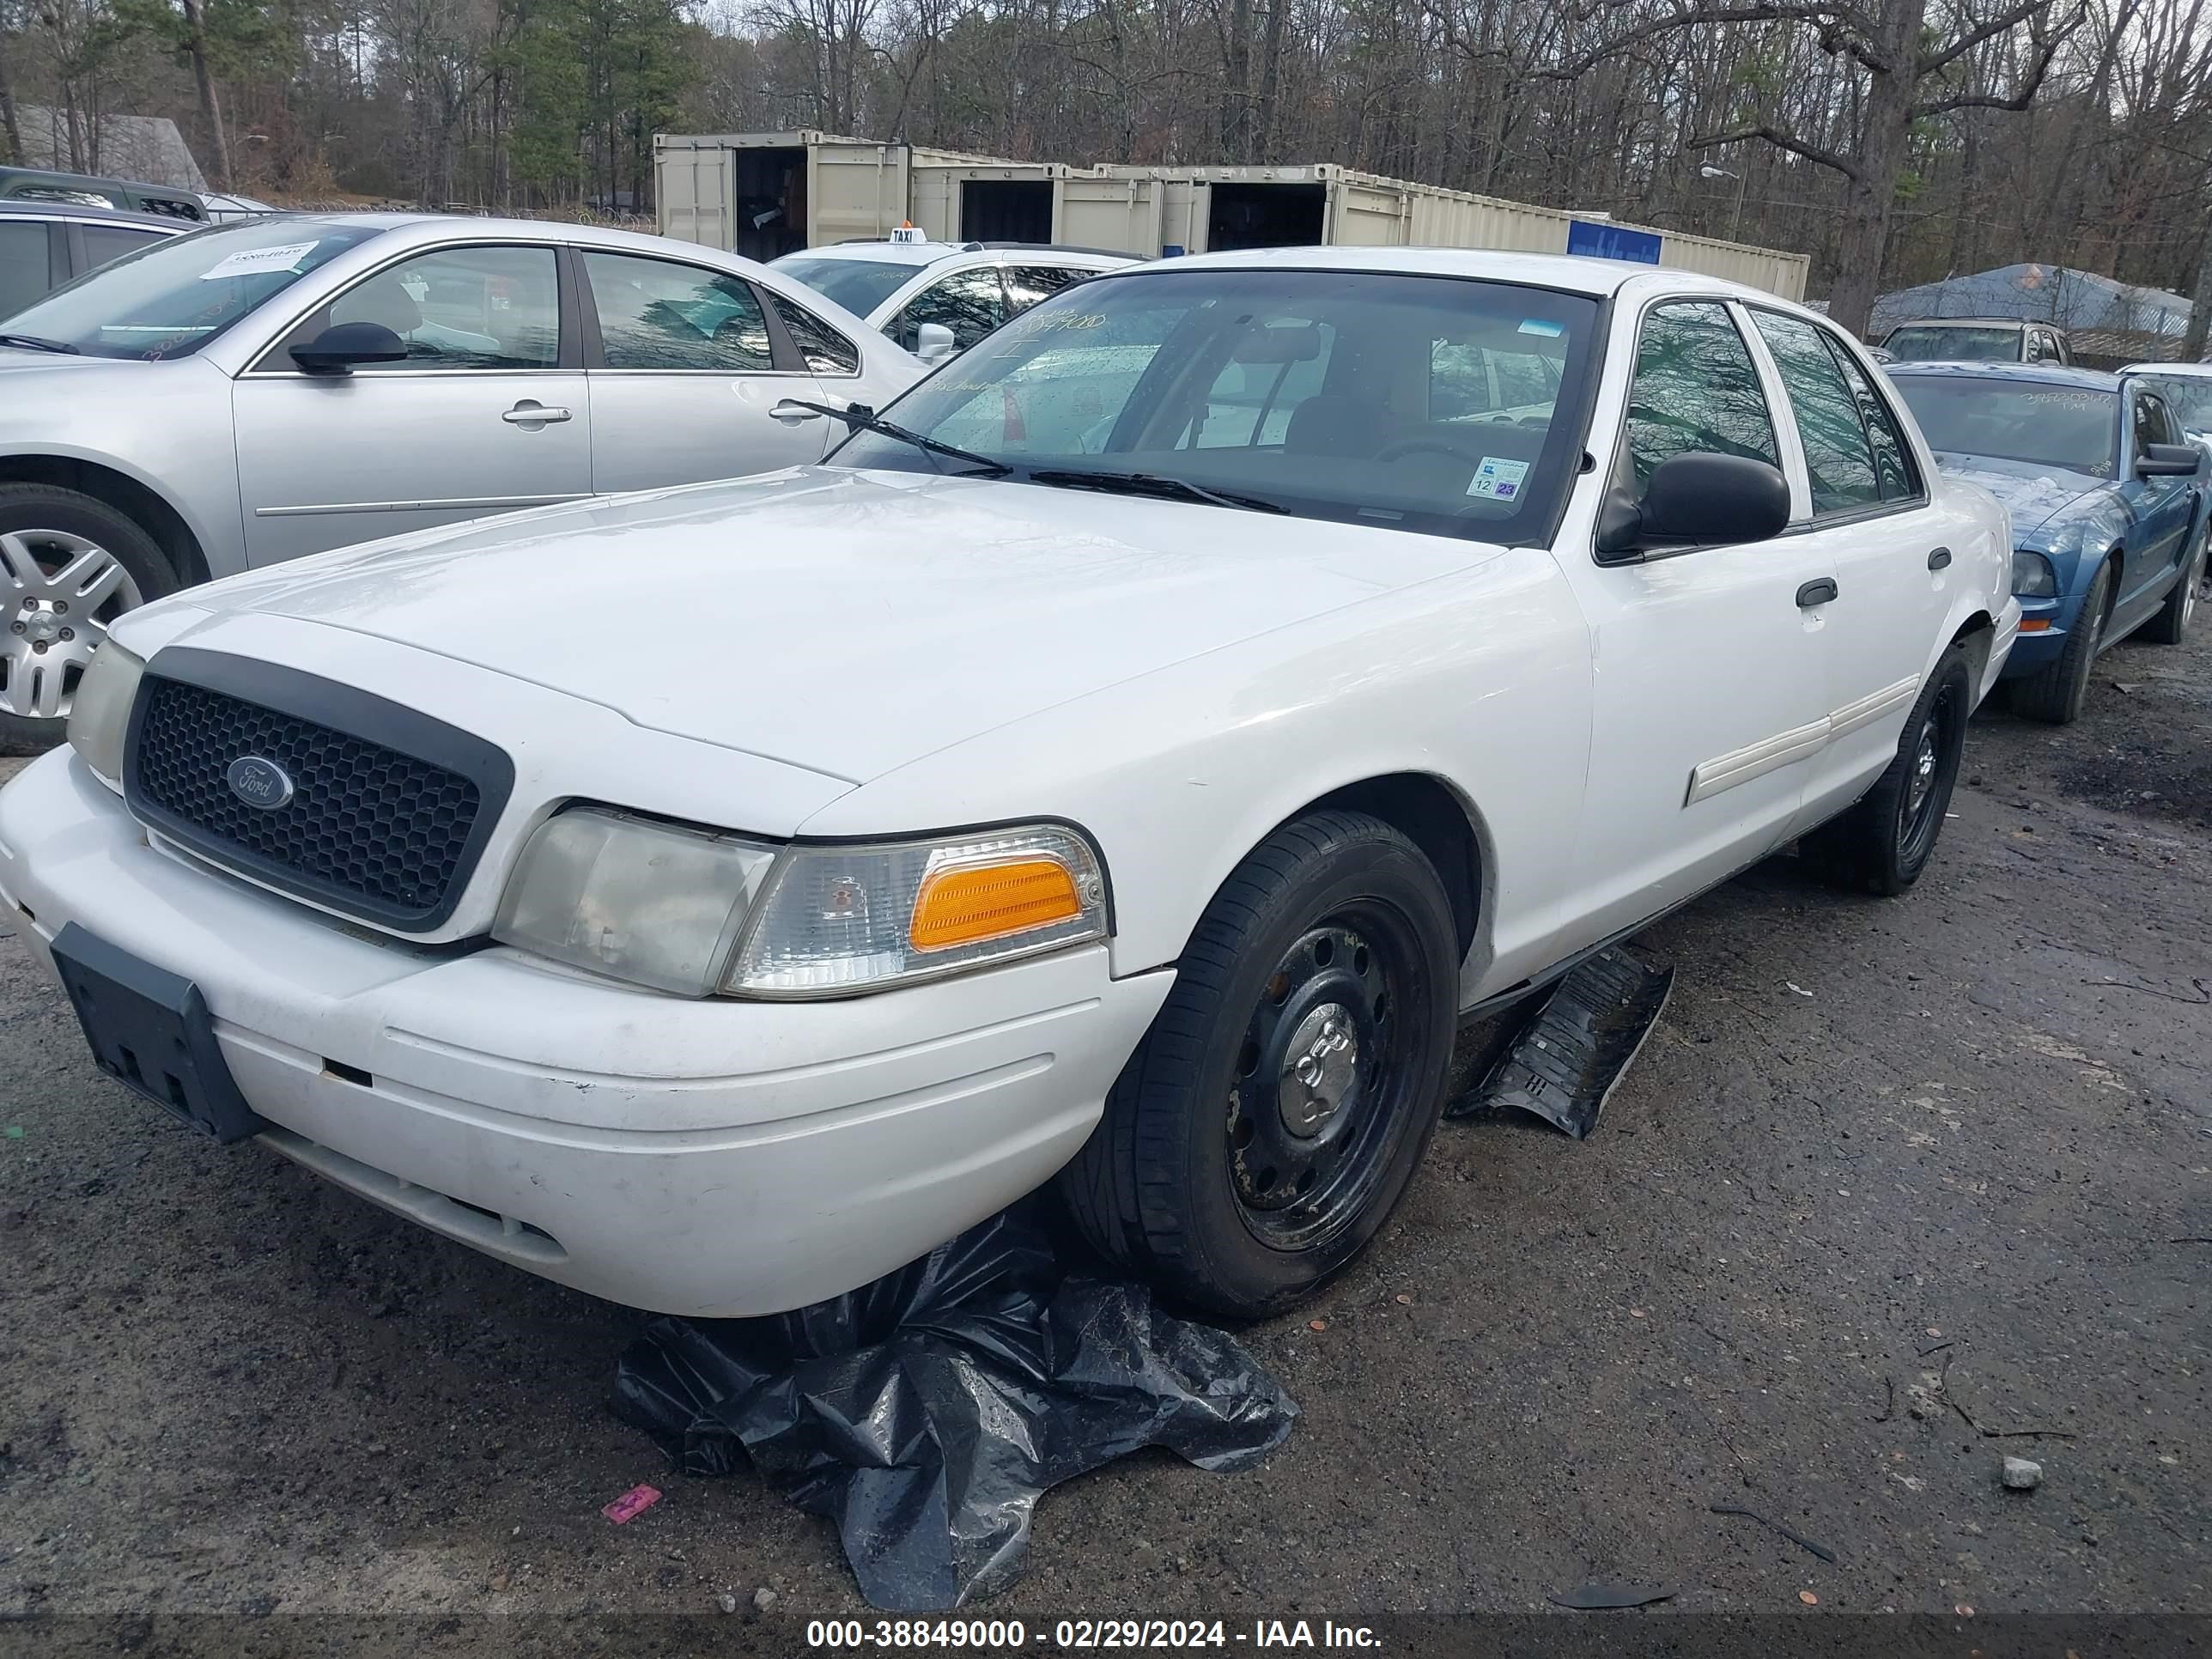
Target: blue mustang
[2110,506]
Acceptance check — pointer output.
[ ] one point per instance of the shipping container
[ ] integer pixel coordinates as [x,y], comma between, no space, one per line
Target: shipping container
[765,194]
[987,201]
[769,193]
[1171,210]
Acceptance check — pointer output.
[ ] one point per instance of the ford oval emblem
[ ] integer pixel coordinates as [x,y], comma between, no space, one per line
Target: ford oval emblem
[259,782]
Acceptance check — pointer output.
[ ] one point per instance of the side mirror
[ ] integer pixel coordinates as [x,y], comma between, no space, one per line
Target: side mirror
[343,346]
[1696,499]
[2167,461]
[933,343]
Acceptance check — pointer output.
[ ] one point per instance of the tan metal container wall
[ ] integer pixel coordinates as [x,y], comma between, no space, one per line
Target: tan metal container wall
[1772,269]
[1363,215]
[1130,210]
[694,196]
[1453,219]
[853,191]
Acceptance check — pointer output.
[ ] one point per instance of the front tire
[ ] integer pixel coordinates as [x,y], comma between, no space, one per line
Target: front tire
[2055,694]
[70,566]
[1274,1116]
[1885,842]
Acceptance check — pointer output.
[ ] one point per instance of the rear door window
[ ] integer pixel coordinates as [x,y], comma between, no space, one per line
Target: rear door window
[1896,473]
[1838,457]
[1027,284]
[661,315]
[1697,391]
[23,264]
[821,348]
[106,242]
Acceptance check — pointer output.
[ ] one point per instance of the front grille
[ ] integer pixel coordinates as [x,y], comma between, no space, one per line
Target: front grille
[368,829]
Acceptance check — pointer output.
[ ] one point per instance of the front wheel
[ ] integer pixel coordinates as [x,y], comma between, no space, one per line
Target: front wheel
[1884,843]
[2057,694]
[70,566]
[1275,1114]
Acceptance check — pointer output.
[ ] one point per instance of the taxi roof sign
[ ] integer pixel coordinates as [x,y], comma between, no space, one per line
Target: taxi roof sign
[907,233]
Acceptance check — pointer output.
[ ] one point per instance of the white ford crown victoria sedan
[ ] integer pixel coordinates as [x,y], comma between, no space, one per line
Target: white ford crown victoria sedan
[1124,762]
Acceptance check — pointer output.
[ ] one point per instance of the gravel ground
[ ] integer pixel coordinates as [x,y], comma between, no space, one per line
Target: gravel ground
[1891,1180]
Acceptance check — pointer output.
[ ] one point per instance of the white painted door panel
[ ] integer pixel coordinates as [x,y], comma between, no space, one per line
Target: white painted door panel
[1709,706]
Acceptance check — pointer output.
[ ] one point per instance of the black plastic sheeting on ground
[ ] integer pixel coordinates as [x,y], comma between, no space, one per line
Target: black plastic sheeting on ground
[925,1412]
[1572,1047]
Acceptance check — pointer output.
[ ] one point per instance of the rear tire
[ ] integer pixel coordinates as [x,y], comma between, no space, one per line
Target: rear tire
[1275,1114]
[2056,694]
[70,564]
[2170,625]
[1883,843]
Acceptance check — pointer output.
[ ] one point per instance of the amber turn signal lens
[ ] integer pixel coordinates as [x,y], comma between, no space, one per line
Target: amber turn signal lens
[966,904]
[2035,625]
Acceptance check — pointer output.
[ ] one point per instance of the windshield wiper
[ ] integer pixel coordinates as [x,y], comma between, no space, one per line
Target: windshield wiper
[1152,483]
[36,343]
[865,418]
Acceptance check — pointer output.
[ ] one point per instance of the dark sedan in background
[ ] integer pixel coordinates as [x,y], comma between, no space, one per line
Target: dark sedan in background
[2109,501]
[45,244]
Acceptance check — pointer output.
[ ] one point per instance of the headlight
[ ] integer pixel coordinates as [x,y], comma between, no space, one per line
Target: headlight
[99,715]
[836,919]
[2033,577]
[694,911]
[656,903]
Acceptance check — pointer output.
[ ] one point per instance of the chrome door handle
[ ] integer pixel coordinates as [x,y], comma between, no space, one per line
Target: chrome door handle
[529,414]
[1818,593]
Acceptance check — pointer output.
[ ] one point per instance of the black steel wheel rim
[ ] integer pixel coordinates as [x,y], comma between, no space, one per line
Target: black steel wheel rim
[1321,1078]
[1934,742]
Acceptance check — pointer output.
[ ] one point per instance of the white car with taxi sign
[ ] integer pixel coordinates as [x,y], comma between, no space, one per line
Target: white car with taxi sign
[1122,763]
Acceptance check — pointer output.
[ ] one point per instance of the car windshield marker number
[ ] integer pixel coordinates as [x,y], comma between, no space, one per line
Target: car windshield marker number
[255,262]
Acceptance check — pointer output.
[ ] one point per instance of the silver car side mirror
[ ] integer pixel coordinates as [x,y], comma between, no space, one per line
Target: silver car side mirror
[933,343]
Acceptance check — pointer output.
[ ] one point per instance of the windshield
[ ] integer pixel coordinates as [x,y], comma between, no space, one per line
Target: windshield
[2074,428]
[2188,396]
[1923,343]
[172,297]
[1431,404]
[859,285]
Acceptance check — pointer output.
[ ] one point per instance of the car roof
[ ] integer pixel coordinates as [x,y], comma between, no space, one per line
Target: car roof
[918,254]
[1975,322]
[2186,371]
[1599,278]
[2086,379]
[16,207]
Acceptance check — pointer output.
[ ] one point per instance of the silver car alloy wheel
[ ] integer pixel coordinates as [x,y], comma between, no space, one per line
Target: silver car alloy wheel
[58,592]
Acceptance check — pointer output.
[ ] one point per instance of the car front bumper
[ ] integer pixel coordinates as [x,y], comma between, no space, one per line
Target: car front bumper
[712,1159]
[2044,626]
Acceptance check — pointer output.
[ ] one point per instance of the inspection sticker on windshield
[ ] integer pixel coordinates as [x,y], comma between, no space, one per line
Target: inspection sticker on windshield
[1497,480]
[1543,330]
[255,262]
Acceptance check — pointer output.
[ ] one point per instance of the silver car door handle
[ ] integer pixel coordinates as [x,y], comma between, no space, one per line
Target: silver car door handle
[529,414]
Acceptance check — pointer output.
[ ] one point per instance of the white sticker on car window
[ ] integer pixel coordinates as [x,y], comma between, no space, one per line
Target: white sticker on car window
[1497,480]
[259,261]
[1542,328]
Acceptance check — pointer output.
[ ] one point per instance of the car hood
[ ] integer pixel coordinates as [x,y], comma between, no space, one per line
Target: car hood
[2034,495]
[846,622]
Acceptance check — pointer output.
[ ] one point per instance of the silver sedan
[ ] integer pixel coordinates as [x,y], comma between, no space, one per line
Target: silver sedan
[254,391]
